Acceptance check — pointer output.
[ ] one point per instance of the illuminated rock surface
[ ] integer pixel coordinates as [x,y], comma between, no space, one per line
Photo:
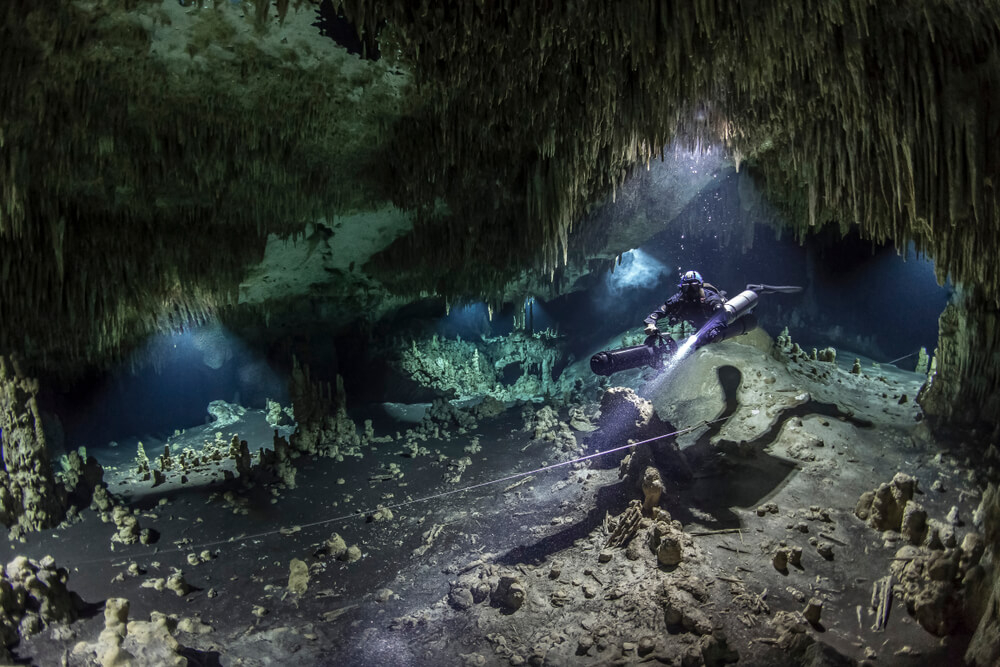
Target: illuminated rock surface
[307,201]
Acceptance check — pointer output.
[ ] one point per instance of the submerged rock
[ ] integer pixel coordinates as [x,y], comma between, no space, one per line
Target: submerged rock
[883,507]
[225,414]
[298,576]
[510,593]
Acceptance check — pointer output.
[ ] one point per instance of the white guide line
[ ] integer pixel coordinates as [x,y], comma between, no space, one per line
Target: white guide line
[364,513]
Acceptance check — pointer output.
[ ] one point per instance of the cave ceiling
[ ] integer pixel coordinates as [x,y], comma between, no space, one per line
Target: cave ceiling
[161,163]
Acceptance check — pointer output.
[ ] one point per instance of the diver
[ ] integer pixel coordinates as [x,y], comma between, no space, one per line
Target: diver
[714,317]
[696,302]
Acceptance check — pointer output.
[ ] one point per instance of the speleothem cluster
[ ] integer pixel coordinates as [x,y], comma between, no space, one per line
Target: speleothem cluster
[500,125]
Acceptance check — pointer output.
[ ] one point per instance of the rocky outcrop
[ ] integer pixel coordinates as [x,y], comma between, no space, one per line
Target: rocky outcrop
[625,416]
[124,643]
[963,382]
[33,595]
[507,368]
[29,496]
[884,508]
[984,649]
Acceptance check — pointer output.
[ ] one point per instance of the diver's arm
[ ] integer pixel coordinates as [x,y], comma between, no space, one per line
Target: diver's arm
[655,315]
[668,310]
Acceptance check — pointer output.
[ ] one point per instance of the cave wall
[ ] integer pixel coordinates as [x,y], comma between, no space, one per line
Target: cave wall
[963,386]
[849,112]
[147,152]
[150,152]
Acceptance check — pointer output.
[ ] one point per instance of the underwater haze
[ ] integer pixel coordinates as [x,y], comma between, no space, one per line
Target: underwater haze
[365,496]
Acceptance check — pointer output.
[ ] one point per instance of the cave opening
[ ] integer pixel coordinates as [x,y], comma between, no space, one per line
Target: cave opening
[334,24]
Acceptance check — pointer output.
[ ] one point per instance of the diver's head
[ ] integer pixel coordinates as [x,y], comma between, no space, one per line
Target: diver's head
[691,286]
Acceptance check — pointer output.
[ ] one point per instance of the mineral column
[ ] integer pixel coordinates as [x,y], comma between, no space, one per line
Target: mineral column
[28,493]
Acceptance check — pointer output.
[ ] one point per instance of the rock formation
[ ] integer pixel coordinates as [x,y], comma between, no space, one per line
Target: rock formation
[29,499]
[33,595]
[984,648]
[626,416]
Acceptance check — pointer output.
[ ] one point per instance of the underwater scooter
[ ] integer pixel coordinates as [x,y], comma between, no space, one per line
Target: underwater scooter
[734,319]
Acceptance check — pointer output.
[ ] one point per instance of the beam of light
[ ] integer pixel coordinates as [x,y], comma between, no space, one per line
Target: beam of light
[683,351]
[637,269]
[698,158]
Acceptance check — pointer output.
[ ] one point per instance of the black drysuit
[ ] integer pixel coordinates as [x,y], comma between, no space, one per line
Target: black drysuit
[697,312]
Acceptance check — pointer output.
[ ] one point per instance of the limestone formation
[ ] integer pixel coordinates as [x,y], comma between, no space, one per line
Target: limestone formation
[298,577]
[33,596]
[29,496]
[813,611]
[668,552]
[683,607]
[336,546]
[652,489]
[128,525]
[548,427]
[668,540]
[883,508]
[780,560]
[963,382]
[460,597]
[276,415]
[984,649]
[931,582]
[81,474]
[795,556]
[630,417]
[225,414]
[923,361]
[178,584]
[152,642]
[466,368]
[323,424]
[914,523]
[510,593]
[624,411]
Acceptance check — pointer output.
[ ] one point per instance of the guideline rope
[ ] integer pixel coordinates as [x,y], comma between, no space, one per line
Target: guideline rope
[364,513]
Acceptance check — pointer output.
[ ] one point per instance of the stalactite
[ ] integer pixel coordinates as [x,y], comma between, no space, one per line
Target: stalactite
[85,275]
[519,119]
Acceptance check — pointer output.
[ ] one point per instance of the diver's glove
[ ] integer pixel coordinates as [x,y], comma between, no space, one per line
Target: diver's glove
[651,330]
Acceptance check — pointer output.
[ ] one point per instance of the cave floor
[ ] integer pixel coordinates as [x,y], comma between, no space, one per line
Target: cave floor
[786,464]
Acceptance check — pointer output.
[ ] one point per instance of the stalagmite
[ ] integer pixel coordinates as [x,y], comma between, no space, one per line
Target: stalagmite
[28,493]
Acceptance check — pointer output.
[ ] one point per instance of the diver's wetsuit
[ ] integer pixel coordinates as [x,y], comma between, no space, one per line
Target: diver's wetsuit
[697,312]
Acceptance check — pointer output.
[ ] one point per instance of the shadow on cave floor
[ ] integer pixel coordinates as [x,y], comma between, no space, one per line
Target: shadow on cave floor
[196,658]
[726,474]
[613,498]
[738,474]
